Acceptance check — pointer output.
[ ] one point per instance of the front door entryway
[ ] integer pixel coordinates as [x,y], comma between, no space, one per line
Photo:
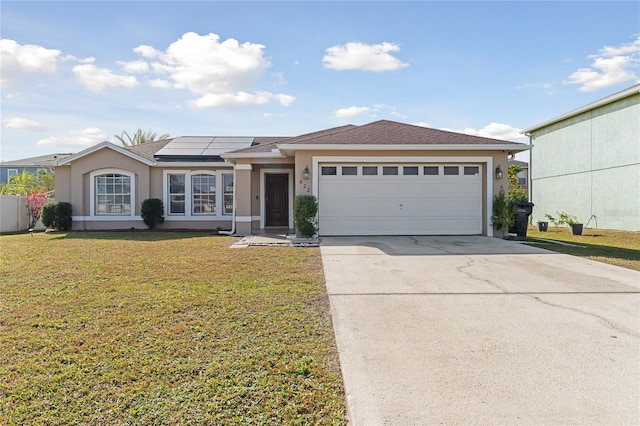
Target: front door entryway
[277,199]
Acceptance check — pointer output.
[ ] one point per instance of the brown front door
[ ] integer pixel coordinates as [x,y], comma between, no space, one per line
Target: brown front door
[277,199]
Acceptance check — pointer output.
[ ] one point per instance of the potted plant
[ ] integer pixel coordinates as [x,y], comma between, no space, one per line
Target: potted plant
[572,222]
[552,220]
[542,226]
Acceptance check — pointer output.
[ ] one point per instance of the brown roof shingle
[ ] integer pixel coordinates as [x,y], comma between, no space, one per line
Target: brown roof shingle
[385,132]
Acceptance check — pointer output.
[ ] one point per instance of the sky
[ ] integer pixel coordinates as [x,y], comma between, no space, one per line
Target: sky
[77,73]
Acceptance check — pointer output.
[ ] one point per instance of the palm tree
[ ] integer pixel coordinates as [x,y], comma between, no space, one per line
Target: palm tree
[140,137]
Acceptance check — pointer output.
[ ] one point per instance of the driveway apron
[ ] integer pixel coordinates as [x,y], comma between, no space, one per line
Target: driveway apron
[477,330]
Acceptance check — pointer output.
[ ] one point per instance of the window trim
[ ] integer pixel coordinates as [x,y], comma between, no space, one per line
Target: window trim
[11,172]
[93,193]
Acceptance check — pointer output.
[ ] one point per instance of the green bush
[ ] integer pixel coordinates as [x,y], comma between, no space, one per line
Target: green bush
[152,212]
[57,215]
[305,209]
[48,214]
[503,217]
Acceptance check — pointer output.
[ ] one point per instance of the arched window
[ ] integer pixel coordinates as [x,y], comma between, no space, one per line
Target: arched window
[112,195]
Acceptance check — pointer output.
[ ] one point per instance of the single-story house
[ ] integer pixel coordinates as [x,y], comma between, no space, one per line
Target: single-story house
[587,163]
[381,178]
[36,165]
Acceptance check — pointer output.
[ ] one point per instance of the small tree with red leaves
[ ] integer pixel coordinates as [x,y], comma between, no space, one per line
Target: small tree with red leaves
[35,201]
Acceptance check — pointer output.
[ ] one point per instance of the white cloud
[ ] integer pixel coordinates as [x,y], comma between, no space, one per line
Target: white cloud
[221,73]
[18,59]
[80,139]
[494,131]
[160,83]
[213,100]
[146,51]
[134,67]
[352,111]
[98,79]
[361,56]
[422,124]
[22,123]
[285,100]
[611,66]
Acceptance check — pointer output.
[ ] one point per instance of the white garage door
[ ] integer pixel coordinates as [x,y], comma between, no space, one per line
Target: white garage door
[416,199]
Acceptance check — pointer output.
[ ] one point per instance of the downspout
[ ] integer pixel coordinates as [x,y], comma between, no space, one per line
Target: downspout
[529,180]
[233,216]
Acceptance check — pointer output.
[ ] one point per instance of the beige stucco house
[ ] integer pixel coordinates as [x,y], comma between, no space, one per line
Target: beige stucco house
[381,178]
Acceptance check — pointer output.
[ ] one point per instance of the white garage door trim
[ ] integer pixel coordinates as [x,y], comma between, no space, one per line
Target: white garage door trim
[488,161]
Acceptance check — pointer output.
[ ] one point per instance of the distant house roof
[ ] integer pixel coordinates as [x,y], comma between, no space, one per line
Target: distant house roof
[522,164]
[633,90]
[40,161]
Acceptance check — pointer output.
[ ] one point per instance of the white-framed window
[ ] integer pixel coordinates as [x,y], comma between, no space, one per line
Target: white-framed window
[522,178]
[227,188]
[203,193]
[198,194]
[177,193]
[112,194]
[11,172]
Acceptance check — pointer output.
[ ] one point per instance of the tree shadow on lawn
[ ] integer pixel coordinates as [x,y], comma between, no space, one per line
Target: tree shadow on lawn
[137,235]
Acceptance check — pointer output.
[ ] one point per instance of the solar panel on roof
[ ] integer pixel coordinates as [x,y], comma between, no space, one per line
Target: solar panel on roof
[203,146]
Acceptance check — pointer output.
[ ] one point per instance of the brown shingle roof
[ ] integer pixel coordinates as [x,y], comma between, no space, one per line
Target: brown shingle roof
[385,132]
[148,150]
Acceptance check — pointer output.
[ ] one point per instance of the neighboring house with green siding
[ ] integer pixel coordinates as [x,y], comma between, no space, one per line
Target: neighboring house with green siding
[587,163]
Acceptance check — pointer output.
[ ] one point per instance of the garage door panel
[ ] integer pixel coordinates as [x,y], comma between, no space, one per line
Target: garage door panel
[400,227]
[400,205]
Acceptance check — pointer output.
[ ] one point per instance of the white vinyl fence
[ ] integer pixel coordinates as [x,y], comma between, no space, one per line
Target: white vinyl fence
[13,214]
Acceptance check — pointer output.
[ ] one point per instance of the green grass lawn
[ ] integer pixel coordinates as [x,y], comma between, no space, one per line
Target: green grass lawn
[619,248]
[164,328]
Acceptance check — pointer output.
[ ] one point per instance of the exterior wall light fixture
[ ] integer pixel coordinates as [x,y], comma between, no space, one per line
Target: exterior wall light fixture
[306,173]
[498,173]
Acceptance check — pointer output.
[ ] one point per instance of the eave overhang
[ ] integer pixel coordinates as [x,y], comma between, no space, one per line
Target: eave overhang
[231,157]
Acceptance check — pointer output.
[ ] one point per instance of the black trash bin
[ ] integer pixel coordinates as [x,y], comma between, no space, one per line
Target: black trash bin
[522,211]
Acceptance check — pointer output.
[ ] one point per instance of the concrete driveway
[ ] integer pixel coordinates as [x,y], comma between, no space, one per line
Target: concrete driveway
[460,330]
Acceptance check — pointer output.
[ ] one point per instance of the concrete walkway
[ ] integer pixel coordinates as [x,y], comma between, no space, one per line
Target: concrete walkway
[462,330]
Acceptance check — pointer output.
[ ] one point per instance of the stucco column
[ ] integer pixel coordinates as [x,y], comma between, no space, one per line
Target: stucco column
[243,198]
